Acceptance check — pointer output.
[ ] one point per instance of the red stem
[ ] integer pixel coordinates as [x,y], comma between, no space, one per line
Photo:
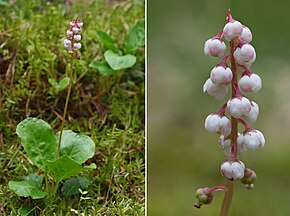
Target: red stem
[217,188]
[247,127]
[234,134]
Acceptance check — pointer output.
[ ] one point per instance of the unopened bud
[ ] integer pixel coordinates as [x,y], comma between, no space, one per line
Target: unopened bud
[204,196]
[232,30]
[249,178]
[233,169]
[215,48]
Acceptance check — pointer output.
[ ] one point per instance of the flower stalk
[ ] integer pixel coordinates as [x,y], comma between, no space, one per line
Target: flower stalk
[72,44]
[238,109]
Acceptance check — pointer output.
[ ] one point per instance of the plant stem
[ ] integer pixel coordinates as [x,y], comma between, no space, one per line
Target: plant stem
[54,190]
[66,104]
[234,134]
[228,198]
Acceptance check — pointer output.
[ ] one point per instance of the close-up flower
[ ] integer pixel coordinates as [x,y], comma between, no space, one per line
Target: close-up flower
[238,106]
[215,123]
[233,169]
[215,90]
[215,48]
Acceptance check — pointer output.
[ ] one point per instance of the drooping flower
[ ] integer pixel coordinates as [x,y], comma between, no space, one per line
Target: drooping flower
[233,169]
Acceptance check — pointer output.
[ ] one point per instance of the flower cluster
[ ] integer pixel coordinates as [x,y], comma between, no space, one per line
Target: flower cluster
[234,70]
[72,42]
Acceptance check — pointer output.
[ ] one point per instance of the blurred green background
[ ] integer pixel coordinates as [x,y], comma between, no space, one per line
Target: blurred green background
[182,156]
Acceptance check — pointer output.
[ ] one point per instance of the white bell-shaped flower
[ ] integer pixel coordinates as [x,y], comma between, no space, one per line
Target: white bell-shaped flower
[253,140]
[221,75]
[216,90]
[238,106]
[250,83]
[246,34]
[232,30]
[233,169]
[215,123]
[215,48]
[245,54]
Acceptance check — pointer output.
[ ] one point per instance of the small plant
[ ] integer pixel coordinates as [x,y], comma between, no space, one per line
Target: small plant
[239,108]
[58,156]
[118,59]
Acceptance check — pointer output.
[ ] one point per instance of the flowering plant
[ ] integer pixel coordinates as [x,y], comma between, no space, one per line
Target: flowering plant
[238,109]
[59,156]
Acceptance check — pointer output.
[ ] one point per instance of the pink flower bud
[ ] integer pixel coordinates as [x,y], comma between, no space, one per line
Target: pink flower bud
[221,75]
[67,44]
[215,90]
[253,140]
[80,24]
[245,54]
[246,34]
[66,41]
[233,169]
[250,83]
[215,48]
[77,37]
[232,30]
[69,33]
[72,23]
[77,45]
[217,124]
[239,106]
[252,116]
[249,177]
[76,30]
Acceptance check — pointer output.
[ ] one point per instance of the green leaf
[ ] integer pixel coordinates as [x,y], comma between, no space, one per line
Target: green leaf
[118,62]
[33,177]
[27,188]
[72,185]
[78,147]
[65,167]
[135,37]
[25,210]
[102,67]
[107,41]
[38,140]
[57,87]
[4,3]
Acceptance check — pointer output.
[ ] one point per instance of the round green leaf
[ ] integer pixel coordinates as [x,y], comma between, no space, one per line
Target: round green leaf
[79,147]
[38,140]
[72,185]
[118,62]
[27,188]
[135,37]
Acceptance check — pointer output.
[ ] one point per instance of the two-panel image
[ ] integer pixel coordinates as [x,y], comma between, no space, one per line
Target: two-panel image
[142,107]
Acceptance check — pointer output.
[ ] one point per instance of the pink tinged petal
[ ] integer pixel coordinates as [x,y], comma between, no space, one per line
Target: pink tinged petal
[233,169]
[212,123]
[225,126]
[252,116]
[80,24]
[214,48]
[76,30]
[253,140]
[232,30]
[217,91]
[69,33]
[246,34]
[221,75]
[77,45]
[77,37]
